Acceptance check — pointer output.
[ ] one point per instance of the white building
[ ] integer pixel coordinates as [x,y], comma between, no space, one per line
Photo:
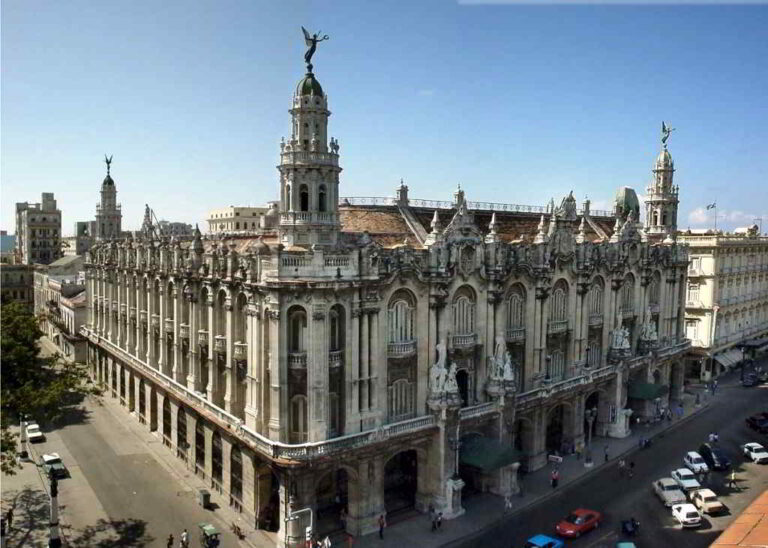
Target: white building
[726,302]
[38,231]
[235,219]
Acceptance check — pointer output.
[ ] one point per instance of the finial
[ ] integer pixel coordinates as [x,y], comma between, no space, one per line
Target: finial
[665,132]
[493,225]
[435,224]
[582,235]
[107,161]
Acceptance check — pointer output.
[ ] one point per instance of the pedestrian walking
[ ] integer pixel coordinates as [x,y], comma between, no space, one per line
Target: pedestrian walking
[184,539]
[716,438]
[327,542]
[439,520]
[382,525]
[169,544]
[631,468]
[507,504]
[732,480]
[622,466]
[554,478]
[714,387]
[343,519]
[9,518]
[433,518]
[605,452]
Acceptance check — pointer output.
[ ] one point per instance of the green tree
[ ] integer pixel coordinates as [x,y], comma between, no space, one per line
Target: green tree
[34,386]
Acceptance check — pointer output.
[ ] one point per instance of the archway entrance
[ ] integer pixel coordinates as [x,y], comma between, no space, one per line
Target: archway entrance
[332,495]
[400,482]
[462,380]
[555,421]
[592,402]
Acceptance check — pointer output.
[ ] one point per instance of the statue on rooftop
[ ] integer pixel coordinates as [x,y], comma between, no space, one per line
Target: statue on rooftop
[665,131]
[311,40]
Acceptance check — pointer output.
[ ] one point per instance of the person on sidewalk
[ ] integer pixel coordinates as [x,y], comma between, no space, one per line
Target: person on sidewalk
[622,466]
[433,518]
[439,520]
[382,525]
[732,480]
[605,451]
[327,542]
[9,518]
[554,478]
[184,539]
[169,544]
[507,504]
[714,387]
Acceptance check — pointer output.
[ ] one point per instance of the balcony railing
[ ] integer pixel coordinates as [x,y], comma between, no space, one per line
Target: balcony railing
[220,343]
[202,337]
[335,358]
[240,351]
[627,311]
[297,360]
[557,326]
[654,308]
[169,325]
[184,331]
[155,321]
[515,334]
[133,312]
[595,320]
[401,349]
[143,316]
[464,341]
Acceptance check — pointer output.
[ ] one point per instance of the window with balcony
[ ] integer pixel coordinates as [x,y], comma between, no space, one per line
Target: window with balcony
[627,307]
[402,332]
[557,365]
[402,400]
[692,330]
[463,320]
[299,419]
[595,304]
[594,353]
[321,198]
[693,293]
[296,331]
[303,198]
[558,309]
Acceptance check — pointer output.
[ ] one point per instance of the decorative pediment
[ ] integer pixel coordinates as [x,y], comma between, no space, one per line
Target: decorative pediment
[462,226]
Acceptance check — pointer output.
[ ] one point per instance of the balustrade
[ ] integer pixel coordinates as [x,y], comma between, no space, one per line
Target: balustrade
[557,326]
[240,351]
[401,349]
[515,334]
[202,337]
[220,343]
[464,341]
[169,325]
[335,358]
[184,331]
[595,319]
[155,321]
[297,360]
[143,316]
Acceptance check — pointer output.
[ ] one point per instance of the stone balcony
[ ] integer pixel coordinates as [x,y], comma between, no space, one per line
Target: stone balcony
[335,358]
[155,321]
[202,337]
[401,349]
[595,320]
[464,341]
[220,344]
[627,311]
[169,325]
[297,360]
[184,331]
[557,326]
[143,316]
[240,351]
[515,334]
[133,313]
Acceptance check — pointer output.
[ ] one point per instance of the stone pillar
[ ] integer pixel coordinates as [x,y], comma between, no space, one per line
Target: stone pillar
[363,517]
[352,370]
[212,384]
[278,376]
[150,330]
[253,366]
[194,382]
[208,433]
[378,371]
[192,419]
[619,427]
[317,376]
[364,363]
[249,484]
[177,371]
[162,344]
[538,457]
[230,393]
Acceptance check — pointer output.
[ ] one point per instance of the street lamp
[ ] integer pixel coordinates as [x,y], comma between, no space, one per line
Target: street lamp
[590,415]
[455,444]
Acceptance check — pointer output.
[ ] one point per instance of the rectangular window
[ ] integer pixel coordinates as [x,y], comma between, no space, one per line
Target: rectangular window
[693,293]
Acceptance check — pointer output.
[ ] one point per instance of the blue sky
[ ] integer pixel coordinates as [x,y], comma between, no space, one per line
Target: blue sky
[518,103]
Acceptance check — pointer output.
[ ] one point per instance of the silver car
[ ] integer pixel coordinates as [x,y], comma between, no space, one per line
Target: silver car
[668,491]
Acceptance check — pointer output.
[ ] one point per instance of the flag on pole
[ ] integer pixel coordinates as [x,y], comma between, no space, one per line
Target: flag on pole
[712,205]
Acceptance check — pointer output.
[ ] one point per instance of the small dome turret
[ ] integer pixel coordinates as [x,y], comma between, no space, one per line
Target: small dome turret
[108,181]
[664,160]
[309,86]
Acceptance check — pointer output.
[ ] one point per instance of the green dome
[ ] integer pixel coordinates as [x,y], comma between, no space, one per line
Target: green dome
[108,181]
[309,86]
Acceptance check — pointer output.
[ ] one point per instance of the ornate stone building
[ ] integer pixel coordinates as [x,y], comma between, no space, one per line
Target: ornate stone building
[381,354]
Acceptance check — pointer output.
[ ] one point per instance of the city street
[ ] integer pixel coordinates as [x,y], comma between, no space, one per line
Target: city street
[620,497]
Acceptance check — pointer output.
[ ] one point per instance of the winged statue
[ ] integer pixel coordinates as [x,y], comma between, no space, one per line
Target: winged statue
[107,161]
[665,131]
[311,40]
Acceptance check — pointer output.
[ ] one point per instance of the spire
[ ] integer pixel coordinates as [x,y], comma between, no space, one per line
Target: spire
[493,225]
[435,224]
[541,235]
[581,237]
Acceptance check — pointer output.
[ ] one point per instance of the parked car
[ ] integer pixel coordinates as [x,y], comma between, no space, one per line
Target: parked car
[578,522]
[668,491]
[34,434]
[750,379]
[706,501]
[755,452]
[685,479]
[695,463]
[686,514]
[53,467]
[714,456]
[762,376]
[758,423]
[543,541]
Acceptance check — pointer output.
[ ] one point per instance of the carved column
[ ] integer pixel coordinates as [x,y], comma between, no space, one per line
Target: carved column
[253,366]
[278,377]
[317,376]
[178,371]
[193,380]
[212,385]
[230,376]
[352,371]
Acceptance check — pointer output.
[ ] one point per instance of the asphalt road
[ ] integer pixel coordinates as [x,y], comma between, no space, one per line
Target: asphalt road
[620,497]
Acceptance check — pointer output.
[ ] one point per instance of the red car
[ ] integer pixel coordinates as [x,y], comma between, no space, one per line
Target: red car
[578,522]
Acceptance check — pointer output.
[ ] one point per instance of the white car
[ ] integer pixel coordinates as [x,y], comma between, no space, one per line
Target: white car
[706,501]
[755,452]
[695,463]
[34,434]
[668,491]
[685,479]
[686,514]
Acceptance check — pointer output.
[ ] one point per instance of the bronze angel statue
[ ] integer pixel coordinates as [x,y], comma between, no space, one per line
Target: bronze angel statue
[665,131]
[311,40]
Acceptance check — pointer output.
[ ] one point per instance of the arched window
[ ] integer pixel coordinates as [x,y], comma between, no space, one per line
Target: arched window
[516,315]
[321,198]
[297,325]
[303,198]
[464,312]
[559,307]
[402,398]
[401,322]
[596,300]
[654,291]
[594,353]
[627,306]
[299,419]
[336,329]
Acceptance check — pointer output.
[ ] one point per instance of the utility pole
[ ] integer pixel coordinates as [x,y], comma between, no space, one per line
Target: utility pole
[54,541]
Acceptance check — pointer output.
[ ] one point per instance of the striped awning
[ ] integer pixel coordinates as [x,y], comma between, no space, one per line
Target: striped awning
[729,358]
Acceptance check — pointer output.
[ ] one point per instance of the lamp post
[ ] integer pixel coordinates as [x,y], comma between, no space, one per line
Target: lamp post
[309,531]
[455,444]
[590,415]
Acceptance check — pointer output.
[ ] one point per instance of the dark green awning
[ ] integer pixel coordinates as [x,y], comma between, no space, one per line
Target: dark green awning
[486,454]
[646,390]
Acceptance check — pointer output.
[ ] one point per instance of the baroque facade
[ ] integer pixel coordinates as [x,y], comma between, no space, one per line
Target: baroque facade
[727,298]
[376,355]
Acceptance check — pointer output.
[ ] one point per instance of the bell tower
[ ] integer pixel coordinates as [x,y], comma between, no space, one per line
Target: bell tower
[109,216]
[662,196]
[309,169]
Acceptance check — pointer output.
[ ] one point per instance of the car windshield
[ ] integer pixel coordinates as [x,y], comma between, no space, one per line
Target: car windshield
[33,428]
[685,474]
[710,498]
[692,515]
[697,460]
[575,518]
[671,487]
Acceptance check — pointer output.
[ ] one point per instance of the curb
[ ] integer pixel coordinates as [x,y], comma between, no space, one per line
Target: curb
[576,481]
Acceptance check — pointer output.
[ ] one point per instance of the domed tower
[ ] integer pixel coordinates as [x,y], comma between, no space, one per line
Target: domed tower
[109,216]
[662,199]
[309,171]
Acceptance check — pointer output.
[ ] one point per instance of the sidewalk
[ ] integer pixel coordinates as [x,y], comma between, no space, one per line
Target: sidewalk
[485,509]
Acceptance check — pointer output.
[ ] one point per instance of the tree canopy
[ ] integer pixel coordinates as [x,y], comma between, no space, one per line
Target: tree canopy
[37,387]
